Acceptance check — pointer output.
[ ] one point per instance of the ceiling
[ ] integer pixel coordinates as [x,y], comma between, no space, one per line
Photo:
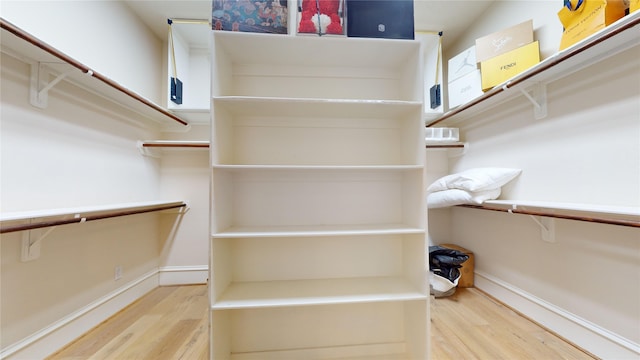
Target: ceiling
[451,17]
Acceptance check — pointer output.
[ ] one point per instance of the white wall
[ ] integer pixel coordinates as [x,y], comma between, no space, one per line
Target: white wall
[587,150]
[184,174]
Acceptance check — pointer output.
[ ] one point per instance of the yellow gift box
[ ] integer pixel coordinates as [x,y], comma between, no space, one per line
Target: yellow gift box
[585,17]
[634,5]
[503,67]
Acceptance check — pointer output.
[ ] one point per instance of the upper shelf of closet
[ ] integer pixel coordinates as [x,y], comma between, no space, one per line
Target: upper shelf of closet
[28,220]
[615,38]
[604,214]
[18,43]
[341,70]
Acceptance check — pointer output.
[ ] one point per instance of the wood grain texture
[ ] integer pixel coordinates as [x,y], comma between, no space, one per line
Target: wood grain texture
[172,323]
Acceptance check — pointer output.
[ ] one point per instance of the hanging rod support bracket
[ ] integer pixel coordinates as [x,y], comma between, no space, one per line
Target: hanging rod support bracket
[537,97]
[40,85]
[31,243]
[547,225]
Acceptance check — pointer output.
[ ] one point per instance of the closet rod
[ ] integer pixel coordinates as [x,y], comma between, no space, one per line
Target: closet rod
[537,70]
[445,146]
[175,145]
[42,224]
[85,69]
[620,222]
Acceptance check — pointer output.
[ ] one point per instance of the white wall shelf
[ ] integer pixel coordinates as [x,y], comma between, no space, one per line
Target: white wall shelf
[317,206]
[43,57]
[615,38]
[27,220]
[316,230]
[604,214]
[317,292]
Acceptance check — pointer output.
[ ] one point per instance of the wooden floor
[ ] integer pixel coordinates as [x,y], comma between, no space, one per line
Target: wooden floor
[171,323]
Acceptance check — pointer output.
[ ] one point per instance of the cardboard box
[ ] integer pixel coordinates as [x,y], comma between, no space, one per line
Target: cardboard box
[462,64]
[503,41]
[591,17]
[503,67]
[468,267]
[465,89]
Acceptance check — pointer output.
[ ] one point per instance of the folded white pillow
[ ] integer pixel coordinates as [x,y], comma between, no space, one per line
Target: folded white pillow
[474,180]
[452,197]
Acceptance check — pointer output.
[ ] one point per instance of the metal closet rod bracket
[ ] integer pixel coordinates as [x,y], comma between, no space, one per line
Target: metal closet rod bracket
[547,225]
[537,95]
[40,85]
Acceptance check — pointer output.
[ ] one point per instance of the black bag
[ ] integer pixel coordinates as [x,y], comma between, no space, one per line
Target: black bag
[445,262]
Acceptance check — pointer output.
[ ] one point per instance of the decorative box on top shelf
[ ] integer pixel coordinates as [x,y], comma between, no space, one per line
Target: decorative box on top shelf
[323,17]
[269,16]
[389,19]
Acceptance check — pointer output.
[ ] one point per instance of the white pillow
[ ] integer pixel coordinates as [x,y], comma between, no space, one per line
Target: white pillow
[451,197]
[477,179]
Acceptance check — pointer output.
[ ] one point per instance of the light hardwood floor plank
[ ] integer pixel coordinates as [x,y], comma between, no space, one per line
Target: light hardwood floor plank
[172,323]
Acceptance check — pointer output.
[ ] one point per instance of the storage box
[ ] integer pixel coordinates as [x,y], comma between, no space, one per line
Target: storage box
[442,134]
[468,267]
[465,89]
[503,41]
[262,17]
[590,17]
[503,67]
[391,19]
[462,64]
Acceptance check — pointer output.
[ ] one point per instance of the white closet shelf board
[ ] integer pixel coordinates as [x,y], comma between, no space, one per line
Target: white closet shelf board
[317,230]
[86,211]
[332,51]
[193,116]
[255,106]
[614,212]
[615,38]
[305,131]
[602,214]
[329,353]
[17,43]
[313,67]
[386,168]
[316,292]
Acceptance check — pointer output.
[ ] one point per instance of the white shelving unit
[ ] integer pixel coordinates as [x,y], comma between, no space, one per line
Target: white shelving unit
[318,229]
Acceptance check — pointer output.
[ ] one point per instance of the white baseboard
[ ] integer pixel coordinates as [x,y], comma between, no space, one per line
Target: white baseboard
[183,275]
[590,337]
[52,338]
